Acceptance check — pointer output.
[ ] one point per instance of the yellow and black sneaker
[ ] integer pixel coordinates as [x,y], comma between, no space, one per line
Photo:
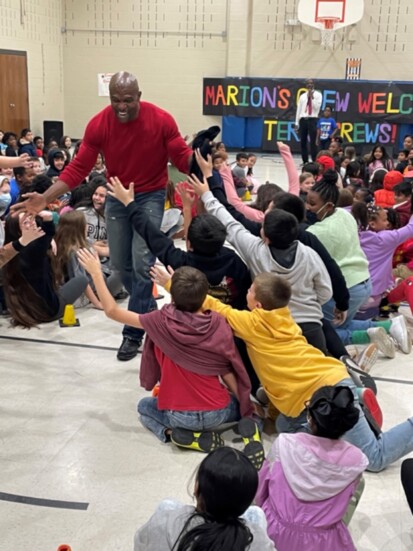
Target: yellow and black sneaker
[203,441]
[250,434]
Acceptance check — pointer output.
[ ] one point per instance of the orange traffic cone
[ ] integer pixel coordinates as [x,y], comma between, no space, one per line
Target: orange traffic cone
[69,319]
[155,293]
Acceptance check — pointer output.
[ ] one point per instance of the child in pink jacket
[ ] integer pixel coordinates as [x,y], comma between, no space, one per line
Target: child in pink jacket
[308,480]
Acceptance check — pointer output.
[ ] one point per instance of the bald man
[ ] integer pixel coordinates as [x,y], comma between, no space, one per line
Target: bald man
[137,139]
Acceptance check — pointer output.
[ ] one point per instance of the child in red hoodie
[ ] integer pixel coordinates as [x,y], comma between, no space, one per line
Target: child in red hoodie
[385,197]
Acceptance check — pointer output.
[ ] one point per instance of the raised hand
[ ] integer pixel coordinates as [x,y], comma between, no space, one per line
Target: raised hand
[89,261]
[199,187]
[30,230]
[204,165]
[186,194]
[33,204]
[119,192]
[24,160]
[283,147]
[160,276]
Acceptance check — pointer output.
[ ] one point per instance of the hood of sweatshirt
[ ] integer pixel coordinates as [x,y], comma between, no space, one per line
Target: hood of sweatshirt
[319,468]
[285,257]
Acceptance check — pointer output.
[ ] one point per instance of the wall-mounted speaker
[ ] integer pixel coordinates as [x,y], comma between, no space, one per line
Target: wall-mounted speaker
[52,130]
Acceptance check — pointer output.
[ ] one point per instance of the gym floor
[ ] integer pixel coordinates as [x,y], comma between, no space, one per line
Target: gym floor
[78,468]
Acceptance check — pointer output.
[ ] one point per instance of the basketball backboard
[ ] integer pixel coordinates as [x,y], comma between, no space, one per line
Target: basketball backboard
[342,12]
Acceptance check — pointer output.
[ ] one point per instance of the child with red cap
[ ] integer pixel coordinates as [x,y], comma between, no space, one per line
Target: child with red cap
[385,197]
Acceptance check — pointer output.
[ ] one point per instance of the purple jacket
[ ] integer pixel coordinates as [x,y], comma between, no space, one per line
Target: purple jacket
[304,489]
[379,248]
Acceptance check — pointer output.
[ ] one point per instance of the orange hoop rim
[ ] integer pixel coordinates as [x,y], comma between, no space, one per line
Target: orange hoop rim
[329,22]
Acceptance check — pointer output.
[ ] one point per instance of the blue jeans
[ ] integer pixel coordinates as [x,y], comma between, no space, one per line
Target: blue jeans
[158,420]
[359,294]
[130,255]
[381,452]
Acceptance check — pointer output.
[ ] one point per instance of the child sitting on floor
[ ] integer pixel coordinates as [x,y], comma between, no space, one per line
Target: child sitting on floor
[187,351]
[222,518]
[239,174]
[291,370]
[308,480]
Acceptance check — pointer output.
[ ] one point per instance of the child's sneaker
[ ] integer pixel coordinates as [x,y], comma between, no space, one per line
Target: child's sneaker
[400,334]
[202,441]
[360,378]
[369,401]
[261,396]
[250,434]
[384,343]
[367,358]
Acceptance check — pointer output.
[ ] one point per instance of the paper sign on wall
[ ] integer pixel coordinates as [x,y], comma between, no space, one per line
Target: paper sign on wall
[103,83]
[353,68]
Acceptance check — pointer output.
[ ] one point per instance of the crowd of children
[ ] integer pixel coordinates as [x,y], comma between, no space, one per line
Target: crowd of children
[38,282]
[266,324]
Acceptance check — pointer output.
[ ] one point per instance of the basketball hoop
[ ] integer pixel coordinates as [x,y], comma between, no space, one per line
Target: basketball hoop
[327,32]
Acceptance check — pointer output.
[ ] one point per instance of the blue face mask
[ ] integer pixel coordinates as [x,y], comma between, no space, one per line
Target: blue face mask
[5,200]
[311,217]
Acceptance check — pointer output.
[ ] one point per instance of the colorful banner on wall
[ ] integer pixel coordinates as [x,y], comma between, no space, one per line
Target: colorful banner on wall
[276,130]
[371,102]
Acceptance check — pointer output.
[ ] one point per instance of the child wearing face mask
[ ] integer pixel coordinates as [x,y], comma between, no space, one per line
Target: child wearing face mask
[338,232]
[5,197]
[5,200]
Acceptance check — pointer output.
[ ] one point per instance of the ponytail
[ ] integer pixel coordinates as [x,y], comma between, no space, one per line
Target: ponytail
[327,188]
[359,212]
[226,485]
[210,534]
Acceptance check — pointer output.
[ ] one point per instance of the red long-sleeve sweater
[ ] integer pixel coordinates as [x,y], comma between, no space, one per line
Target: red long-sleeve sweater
[136,151]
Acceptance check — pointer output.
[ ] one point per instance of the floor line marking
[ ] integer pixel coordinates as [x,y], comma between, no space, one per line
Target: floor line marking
[389,380]
[41,502]
[60,343]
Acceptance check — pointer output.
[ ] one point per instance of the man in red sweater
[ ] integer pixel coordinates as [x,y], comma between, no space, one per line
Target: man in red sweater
[137,139]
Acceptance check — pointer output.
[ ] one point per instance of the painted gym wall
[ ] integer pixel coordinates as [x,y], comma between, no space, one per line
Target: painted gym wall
[382,39]
[172,44]
[34,26]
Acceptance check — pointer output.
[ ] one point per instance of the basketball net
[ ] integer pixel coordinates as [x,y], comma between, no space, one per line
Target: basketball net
[327,33]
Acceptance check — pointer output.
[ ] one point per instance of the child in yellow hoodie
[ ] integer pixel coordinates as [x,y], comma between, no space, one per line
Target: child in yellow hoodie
[291,370]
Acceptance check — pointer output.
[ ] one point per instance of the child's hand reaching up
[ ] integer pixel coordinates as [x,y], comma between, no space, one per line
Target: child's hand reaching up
[30,230]
[160,276]
[204,164]
[89,261]
[186,194]
[283,147]
[199,187]
[119,192]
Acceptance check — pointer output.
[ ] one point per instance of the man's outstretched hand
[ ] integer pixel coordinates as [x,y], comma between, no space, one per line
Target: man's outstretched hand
[33,204]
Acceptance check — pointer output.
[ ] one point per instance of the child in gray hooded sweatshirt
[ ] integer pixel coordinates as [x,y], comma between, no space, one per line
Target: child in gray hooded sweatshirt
[278,251]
